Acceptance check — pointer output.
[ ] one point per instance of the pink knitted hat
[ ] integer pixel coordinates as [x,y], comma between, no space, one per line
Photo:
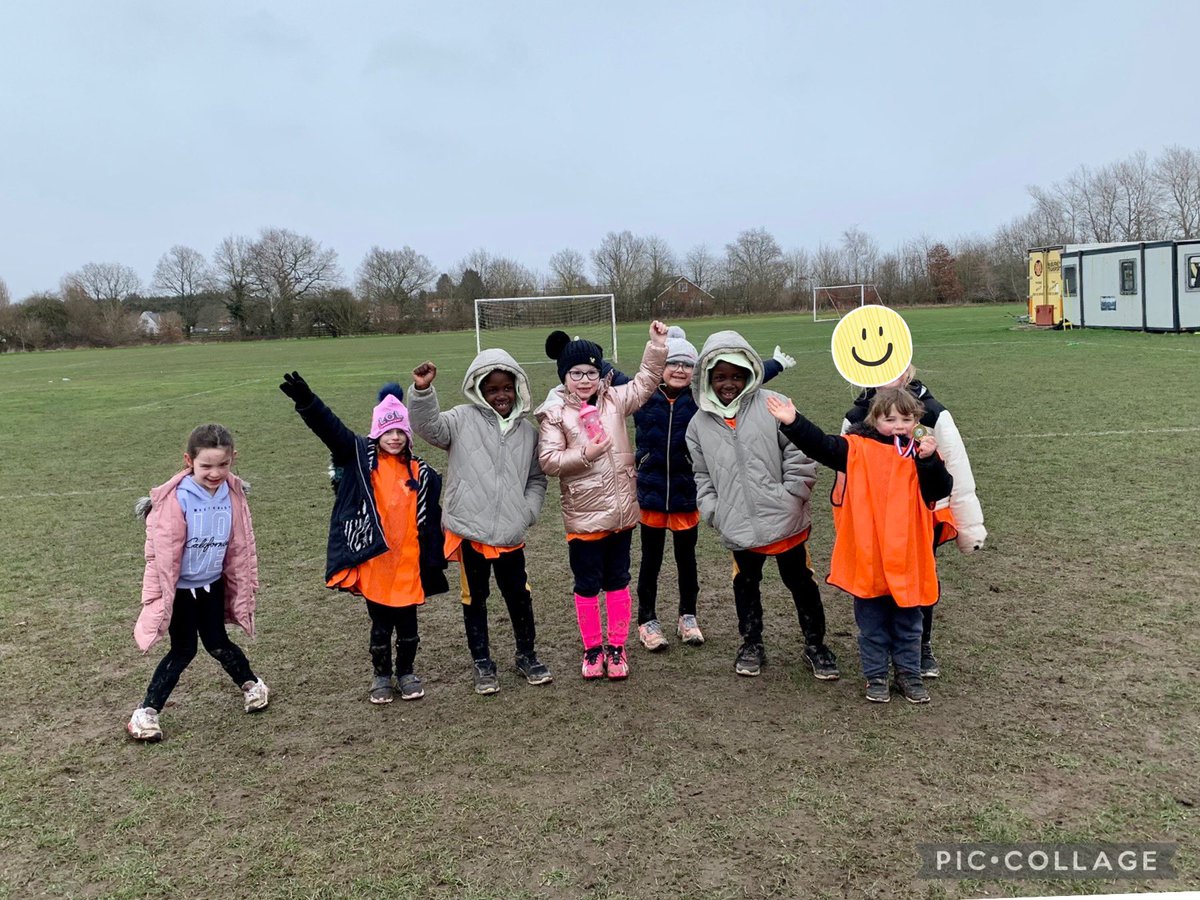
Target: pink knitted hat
[390,413]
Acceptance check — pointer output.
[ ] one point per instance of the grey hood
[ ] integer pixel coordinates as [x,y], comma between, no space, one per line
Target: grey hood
[730,347]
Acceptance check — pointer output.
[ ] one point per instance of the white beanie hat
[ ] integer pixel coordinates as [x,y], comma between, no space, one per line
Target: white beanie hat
[679,349]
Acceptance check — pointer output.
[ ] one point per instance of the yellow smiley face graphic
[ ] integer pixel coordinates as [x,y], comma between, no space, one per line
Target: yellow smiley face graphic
[872,346]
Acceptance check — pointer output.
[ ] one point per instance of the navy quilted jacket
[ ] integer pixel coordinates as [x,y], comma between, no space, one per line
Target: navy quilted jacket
[665,481]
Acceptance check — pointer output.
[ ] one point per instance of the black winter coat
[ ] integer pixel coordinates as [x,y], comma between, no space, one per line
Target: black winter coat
[355,532]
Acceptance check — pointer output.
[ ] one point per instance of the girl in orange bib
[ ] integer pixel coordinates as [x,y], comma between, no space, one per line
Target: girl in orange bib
[888,482]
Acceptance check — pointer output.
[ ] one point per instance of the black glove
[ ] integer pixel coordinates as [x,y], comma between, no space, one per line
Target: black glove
[297,388]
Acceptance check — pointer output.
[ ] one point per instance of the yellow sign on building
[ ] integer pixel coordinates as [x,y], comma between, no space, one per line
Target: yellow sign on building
[1045,285]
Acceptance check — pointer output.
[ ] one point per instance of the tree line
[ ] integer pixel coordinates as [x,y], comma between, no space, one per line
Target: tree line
[284,284]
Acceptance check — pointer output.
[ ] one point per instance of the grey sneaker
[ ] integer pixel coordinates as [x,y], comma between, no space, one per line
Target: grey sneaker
[411,687]
[486,681]
[143,724]
[750,660]
[534,670]
[877,690]
[822,661]
[929,663]
[381,689]
[910,685]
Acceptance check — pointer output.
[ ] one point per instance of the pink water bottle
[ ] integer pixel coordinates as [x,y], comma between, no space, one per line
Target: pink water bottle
[590,417]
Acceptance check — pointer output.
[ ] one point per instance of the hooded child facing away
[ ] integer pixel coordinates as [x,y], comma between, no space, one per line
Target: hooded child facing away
[494,491]
[753,486]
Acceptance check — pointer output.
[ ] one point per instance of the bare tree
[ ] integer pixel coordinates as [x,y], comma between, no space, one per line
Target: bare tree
[799,276]
[1177,173]
[109,283]
[568,272]
[661,266]
[1138,199]
[620,265]
[232,274]
[828,266]
[286,267]
[508,278]
[756,269]
[861,255]
[478,261]
[390,281]
[701,266]
[5,298]
[184,274]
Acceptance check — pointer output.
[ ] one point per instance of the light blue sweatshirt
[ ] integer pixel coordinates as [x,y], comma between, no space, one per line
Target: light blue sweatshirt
[209,521]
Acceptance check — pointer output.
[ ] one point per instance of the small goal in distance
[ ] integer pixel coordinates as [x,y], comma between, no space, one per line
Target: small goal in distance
[832,301]
[589,316]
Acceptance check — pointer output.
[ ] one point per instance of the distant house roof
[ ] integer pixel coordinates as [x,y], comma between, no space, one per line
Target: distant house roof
[148,322]
[679,278]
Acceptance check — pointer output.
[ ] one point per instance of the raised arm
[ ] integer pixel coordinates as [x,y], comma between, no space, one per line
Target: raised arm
[428,420]
[827,449]
[319,418]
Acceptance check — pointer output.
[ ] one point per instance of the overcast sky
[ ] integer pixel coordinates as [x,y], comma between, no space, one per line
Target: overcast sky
[525,127]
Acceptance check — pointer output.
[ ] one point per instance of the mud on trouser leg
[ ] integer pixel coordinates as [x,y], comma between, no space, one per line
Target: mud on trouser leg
[381,659]
[406,653]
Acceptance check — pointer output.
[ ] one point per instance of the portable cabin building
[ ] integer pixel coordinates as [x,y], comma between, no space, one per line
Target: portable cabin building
[1143,286]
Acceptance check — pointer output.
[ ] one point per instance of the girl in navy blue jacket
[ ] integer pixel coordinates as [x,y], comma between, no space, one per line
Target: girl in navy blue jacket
[667,490]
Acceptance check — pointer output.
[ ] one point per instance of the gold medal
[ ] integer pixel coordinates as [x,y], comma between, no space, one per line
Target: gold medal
[919,432]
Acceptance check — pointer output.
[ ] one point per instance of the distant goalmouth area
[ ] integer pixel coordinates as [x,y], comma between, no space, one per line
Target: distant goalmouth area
[832,301]
[589,316]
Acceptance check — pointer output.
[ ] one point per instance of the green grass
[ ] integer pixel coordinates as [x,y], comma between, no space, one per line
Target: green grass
[1068,709]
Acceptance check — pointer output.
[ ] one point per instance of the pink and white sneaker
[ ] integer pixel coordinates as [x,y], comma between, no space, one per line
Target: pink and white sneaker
[689,631]
[593,663]
[651,635]
[618,665]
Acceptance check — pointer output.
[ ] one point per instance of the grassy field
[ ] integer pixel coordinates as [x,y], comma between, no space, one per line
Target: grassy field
[1068,710]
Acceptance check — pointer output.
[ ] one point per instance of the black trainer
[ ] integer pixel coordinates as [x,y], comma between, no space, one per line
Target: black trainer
[929,663]
[909,684]
[750,660]
[486,681]
[823,662]
[877,690]
[534,670]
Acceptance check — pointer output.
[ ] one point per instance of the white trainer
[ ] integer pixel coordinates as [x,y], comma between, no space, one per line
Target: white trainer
[143,724]
[256,694]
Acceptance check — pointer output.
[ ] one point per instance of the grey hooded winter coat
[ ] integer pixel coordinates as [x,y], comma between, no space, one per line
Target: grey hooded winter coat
[752,484]
[494,488]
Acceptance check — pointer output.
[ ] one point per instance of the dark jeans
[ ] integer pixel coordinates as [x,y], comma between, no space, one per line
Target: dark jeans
[476,571]
[601,565]
[385,620]
[201,616]
[654,542]
[887,631]
[797,577]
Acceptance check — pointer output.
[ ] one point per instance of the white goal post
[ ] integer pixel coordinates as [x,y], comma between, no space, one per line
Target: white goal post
[589,316]
[832,301]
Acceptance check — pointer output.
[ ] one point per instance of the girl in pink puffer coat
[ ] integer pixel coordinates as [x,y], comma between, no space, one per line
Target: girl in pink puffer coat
[599,486]
[201,573]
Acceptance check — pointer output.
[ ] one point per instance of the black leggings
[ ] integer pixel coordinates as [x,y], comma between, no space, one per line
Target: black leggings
[476,571]
[654,542]
[385,620]
[200,616]
[796,574]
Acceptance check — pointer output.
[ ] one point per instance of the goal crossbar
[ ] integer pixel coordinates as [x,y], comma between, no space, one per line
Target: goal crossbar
[563,310]
[840,298]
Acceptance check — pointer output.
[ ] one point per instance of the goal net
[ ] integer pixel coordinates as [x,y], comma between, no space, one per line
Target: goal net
[832,301]
[525,321]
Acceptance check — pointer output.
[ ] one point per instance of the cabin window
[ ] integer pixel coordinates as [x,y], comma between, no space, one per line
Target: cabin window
[1193,273]
[682,287]
[1128,276]
[1069,288]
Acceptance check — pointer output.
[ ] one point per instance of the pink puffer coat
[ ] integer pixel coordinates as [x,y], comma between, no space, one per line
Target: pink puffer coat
[601,495]
[166,533]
